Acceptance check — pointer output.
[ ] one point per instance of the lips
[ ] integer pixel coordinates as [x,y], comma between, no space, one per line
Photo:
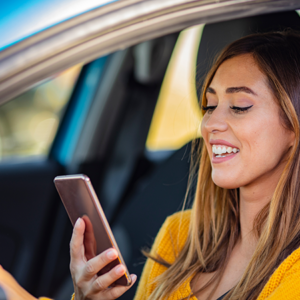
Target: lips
[222,142]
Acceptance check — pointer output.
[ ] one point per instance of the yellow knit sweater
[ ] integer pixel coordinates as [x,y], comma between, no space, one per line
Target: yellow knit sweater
[283,284]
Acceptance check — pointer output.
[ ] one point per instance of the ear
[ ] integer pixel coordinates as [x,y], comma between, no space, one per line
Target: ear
[292,138]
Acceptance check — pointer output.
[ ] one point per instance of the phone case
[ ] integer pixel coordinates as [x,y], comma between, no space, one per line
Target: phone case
[80,200]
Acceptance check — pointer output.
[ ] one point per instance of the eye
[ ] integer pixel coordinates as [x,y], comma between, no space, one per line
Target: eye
[209,109]
[240,110]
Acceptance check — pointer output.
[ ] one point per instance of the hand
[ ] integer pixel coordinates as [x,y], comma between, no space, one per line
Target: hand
[87,285]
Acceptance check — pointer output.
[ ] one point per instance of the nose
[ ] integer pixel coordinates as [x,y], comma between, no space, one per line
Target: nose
[215,121]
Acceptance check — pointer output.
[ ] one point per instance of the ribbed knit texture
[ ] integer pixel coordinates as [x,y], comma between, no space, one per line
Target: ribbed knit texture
[168,243]
[284,284]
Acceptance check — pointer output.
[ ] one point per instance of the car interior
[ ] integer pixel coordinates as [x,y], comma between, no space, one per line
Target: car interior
[103,134]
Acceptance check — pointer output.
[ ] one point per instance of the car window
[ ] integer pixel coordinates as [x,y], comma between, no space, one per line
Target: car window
[29,122]
[177,116]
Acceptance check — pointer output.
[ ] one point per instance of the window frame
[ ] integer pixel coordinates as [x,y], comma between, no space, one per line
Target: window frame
[110,28]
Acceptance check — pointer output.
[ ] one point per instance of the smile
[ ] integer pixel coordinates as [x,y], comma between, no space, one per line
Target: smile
[218,150]
[222,153]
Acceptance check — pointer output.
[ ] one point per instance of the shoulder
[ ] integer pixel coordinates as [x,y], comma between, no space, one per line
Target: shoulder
[167,245]
[182,217]
[172,236]
[177,221]
[285,282]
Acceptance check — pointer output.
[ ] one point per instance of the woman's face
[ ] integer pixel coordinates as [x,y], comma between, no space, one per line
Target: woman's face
[242,128]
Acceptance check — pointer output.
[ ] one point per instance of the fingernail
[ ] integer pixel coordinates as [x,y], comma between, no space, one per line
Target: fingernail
[77,222]
[120,270]
[133,278]
[112,254]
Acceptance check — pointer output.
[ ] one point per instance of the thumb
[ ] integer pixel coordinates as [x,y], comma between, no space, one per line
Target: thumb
[76,244]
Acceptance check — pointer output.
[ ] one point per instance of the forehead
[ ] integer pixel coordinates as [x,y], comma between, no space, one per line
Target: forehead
[239,71]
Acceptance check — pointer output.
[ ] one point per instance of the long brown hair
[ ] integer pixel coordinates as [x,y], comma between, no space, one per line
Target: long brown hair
[214,226]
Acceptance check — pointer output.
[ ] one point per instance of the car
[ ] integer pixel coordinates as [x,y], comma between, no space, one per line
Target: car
[109,89]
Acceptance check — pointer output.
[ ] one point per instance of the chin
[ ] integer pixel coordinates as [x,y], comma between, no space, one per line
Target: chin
[225,182]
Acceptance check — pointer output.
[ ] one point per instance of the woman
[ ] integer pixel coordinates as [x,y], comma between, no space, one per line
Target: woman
[240,239]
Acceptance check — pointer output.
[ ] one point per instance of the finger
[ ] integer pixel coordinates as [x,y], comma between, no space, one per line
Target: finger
[89,241]
[119,290]
[76,244]
[107,279]
[94,265]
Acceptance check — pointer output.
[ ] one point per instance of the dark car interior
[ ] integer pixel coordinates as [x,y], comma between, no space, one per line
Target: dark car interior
[137,190]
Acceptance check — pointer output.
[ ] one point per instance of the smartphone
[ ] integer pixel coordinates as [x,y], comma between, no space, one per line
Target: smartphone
[81,201]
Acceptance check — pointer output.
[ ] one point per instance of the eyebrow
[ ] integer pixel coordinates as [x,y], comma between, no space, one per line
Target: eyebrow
[233,90]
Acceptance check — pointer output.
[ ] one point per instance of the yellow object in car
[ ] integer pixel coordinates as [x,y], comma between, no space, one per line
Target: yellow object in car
[177,116]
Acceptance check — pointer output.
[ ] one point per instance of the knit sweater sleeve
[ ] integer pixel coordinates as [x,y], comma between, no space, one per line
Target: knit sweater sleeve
[167,245]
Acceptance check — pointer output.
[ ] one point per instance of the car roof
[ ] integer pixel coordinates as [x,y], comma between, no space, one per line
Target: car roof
[112,27]
[20,19]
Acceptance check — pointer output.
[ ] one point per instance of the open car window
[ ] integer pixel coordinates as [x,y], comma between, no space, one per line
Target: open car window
[29,122]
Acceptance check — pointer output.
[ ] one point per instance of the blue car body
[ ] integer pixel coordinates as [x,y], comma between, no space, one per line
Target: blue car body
[21,19]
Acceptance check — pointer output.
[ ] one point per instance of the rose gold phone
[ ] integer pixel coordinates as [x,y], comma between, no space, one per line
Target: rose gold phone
[81,201]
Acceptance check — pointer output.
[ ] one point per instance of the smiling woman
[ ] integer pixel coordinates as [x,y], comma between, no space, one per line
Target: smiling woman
[241,238]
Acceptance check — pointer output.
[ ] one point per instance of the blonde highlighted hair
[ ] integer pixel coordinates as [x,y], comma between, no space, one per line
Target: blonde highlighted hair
[215,227]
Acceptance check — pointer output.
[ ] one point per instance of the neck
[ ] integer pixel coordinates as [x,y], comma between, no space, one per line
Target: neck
[251,203]
[253,198]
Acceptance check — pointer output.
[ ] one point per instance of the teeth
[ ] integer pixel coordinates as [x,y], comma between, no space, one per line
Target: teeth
[218,150]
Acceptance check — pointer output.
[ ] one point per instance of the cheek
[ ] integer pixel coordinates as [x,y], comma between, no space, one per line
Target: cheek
[204,132]
[264,144]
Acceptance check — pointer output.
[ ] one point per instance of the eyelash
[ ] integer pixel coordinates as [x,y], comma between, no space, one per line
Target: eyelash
[237,110]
